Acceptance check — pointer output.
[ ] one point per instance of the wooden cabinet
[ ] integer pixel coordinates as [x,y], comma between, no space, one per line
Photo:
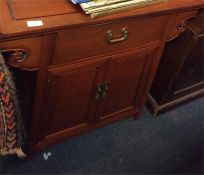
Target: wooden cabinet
[79,96]
[84,73]
[183,57]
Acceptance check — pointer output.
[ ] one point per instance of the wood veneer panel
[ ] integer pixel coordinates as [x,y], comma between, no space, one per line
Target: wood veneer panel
[64,13]
[91,41]
[25,9]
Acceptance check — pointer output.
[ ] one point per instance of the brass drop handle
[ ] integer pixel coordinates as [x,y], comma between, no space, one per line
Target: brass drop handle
[101,91]
[105,88]
[111,40]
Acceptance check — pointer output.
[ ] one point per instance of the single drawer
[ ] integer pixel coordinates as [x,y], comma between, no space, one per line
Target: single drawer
[24,53]
[77,43]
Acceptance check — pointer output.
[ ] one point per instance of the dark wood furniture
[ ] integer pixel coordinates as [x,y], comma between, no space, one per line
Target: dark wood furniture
[180,75]
[72,76]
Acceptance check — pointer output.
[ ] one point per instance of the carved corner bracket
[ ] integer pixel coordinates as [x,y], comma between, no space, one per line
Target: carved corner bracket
[180,28]
[14,57]
[181,25]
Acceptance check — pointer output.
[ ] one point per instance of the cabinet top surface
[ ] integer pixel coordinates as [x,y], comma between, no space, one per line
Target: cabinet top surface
[55,14]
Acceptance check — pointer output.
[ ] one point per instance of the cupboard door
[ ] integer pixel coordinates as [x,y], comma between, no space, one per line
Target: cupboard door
[70,103]
[127,76]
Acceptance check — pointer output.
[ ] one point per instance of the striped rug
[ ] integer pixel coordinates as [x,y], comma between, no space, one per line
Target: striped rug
[11,125]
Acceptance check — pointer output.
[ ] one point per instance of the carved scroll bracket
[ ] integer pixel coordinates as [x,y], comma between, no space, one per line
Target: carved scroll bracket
[181,27]
[14,57]
[181,24]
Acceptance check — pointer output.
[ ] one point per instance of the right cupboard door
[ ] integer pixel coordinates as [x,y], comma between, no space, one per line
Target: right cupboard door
[127,76]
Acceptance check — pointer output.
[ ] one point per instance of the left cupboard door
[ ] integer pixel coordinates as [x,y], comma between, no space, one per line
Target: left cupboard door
[70,104]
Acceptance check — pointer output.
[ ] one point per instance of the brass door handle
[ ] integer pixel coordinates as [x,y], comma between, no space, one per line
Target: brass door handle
[111,40]
[101,91]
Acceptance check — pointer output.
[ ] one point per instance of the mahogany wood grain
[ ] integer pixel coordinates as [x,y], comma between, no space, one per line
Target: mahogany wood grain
[56,22]
[71,56]
[72,44]
[70,132]
[33,47]
[40,86]
[125,73]
[25,9]
[70,95]
[180,24]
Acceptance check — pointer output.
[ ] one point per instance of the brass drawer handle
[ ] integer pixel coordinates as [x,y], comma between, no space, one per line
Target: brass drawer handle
[111,40]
